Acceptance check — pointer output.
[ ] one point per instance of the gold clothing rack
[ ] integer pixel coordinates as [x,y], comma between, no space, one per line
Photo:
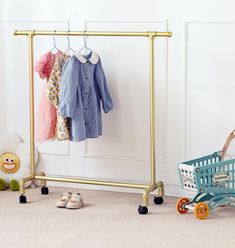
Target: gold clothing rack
[153,185]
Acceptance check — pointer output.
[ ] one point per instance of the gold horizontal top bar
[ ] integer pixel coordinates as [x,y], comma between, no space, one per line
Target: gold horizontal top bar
[92,33]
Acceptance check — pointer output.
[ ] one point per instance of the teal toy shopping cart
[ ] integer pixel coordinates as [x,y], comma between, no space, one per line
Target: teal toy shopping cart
[212,178]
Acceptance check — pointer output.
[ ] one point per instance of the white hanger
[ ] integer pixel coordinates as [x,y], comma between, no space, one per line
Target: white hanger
[69,47]
[54,46]
[86,49]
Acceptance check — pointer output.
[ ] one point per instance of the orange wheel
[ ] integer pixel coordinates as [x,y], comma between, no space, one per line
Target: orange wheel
[180,205]
[201,210]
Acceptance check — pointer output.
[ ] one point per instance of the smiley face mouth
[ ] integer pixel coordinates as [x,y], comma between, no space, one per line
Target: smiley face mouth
[9,166]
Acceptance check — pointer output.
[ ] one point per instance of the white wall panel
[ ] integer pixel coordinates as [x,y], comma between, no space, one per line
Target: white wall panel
[126,128]
[210,59]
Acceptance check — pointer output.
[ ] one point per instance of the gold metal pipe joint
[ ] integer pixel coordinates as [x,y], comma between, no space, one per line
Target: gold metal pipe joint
[23,181]
[31,33]
[146,195]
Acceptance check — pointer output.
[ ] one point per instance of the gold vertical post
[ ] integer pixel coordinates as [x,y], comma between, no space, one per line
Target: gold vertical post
[152,109]
[31,105]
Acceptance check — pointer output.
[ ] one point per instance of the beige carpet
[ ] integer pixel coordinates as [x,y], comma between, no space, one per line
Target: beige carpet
[109,220]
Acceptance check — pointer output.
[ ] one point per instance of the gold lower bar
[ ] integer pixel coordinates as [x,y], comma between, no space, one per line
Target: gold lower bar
[93,182]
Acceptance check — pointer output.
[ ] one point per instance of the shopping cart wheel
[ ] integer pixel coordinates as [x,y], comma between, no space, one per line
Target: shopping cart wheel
[22,199]
[142,210]
[201,210]
[158,200]
[180,205]
[44,190]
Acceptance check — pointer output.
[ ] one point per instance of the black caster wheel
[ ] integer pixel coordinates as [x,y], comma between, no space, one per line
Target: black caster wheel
[158,200]
[142,210]
[44,190]
[22,199]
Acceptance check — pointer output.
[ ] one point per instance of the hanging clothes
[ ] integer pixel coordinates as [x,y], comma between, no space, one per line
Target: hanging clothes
[83,87]
[53,91]
[46,114]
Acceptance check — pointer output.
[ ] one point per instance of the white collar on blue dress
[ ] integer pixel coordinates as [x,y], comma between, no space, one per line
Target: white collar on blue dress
[93,57]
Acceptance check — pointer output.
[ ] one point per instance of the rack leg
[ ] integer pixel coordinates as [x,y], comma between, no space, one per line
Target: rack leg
[158,200]
[160,188]
[22,198]
[44,189]
[22,188]
[143,209]
[146,196]
[43,182]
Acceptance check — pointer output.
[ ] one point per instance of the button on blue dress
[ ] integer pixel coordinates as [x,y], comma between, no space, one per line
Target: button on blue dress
[83,89]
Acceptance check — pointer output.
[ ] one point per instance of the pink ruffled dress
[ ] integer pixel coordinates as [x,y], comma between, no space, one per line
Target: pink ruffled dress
[46,114]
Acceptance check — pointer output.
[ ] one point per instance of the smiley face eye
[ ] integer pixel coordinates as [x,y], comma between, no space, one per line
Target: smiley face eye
[12,160]
[6,159]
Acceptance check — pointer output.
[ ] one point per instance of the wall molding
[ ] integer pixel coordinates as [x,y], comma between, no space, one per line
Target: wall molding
[159,159]
[64,152]
[33,21]
[88,154]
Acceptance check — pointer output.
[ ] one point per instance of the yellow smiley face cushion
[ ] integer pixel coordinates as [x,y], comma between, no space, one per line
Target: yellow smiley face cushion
[9,163]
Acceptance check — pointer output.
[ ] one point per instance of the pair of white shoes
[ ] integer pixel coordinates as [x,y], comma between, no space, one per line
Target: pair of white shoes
[70,201]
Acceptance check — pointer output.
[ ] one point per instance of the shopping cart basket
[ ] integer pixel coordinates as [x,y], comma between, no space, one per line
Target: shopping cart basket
[213,178]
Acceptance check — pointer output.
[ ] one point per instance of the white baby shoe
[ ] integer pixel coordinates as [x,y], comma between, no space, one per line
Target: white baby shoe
[64,199]
[75,202]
